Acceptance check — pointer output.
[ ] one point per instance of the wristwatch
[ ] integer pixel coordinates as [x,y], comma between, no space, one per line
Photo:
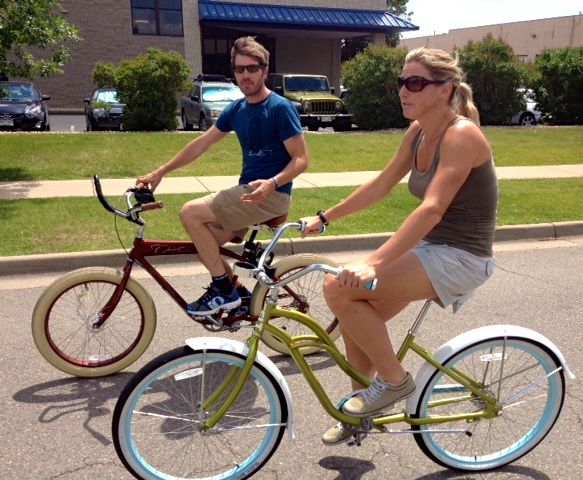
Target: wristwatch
[323,219]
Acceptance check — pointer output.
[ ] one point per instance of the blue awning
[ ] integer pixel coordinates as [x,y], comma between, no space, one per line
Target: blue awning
[301,17]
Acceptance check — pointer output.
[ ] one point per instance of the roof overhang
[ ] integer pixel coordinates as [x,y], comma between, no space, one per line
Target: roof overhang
[293,17]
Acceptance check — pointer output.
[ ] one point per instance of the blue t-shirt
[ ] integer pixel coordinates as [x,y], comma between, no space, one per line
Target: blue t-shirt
[262,128]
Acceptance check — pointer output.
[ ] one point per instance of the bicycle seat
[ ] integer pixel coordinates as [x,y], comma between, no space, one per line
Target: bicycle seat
[274,222]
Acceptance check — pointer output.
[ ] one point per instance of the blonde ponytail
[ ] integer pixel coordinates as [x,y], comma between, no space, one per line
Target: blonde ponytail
[463,102]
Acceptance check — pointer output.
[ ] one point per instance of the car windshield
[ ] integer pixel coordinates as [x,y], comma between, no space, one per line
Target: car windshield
[221,94]
[18,92]
[109,96]
[307,84]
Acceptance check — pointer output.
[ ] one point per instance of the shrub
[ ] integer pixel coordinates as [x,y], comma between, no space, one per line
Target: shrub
[559,89]
[148,86]
[371,78]
[495,74]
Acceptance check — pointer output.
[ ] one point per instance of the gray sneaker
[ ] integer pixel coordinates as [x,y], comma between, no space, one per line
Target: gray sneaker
[378,396]
[338,434]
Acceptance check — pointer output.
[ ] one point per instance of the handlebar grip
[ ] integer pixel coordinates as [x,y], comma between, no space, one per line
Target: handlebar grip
[372,285]
[152,206]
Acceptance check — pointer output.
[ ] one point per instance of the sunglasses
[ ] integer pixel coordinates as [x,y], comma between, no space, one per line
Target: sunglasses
[253,68]
[416,83]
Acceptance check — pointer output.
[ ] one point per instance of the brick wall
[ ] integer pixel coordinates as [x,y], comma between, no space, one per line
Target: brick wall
[106,29]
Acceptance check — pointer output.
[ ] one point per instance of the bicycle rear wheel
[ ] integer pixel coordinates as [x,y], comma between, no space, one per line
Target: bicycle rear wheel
[63,318]
[304,294]
[527,379]
[157,422]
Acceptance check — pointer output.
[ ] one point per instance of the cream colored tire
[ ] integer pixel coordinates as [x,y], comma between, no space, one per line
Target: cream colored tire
[309,288]
[63,317]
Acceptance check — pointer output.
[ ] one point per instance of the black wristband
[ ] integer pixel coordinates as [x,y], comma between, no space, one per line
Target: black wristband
[323,219]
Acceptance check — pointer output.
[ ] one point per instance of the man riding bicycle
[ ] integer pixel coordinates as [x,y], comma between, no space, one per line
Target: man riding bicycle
[274,153]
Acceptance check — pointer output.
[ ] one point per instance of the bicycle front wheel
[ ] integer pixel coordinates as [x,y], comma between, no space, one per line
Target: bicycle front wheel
[158,420]
[529,383]
[64,317]
[303,294]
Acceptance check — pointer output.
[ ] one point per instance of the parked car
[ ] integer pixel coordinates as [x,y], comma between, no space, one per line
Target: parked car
[22,107]
[531,116]
[314,99]
[103,111]
[208,97]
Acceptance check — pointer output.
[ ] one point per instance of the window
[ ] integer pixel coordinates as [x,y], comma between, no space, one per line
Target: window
[157,17]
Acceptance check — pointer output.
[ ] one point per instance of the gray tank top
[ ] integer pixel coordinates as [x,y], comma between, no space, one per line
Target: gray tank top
[469,222]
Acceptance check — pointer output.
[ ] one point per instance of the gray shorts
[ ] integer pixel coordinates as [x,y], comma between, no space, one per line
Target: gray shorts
[453,273]
[235,216]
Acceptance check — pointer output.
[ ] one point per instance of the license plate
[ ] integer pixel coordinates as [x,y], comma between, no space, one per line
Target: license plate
[326,118]
[6,122]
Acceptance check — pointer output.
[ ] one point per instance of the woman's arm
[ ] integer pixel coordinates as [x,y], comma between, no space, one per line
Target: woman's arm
[374,190]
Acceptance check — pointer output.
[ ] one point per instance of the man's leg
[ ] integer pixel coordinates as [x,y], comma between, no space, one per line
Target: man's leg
[197,217]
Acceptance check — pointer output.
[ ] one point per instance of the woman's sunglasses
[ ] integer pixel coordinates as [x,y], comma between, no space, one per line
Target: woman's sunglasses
[253,68]
[416,83]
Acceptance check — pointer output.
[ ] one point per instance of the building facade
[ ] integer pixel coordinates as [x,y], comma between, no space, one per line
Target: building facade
[302,36]
[527,38]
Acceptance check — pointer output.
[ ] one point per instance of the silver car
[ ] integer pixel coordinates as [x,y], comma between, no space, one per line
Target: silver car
[208,97]
[530,116]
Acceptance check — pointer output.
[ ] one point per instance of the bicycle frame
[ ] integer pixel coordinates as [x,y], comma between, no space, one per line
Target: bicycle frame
[236,379]
[155,248]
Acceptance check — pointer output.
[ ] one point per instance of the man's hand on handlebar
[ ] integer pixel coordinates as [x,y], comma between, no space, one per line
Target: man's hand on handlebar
[151,180]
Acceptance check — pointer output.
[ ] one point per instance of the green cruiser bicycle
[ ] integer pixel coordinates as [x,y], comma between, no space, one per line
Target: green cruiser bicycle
[218,408]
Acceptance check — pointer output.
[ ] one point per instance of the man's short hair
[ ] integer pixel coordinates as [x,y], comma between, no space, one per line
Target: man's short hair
[249,47]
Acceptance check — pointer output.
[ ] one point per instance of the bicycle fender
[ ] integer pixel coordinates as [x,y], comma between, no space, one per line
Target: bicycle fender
[218,343]
[469,338]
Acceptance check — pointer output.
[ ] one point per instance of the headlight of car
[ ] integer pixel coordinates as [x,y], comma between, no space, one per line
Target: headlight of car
[215,113]
[338,105]
[99,113]
[307,106]
[32,111]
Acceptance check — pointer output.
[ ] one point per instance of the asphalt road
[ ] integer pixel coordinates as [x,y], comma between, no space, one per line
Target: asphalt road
[56,426]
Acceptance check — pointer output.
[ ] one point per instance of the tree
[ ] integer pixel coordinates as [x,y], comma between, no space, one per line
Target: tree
[148,86]
[370,78]
[34,39]
[559,90]
[495,75]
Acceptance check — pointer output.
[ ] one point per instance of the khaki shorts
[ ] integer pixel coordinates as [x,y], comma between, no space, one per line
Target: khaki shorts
[235,216]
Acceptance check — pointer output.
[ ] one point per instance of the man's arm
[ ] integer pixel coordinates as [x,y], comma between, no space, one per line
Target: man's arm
[187,155]
[296,147]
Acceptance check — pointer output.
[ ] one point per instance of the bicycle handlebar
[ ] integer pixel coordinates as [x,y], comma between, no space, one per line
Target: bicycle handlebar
[132,214]
[259,273]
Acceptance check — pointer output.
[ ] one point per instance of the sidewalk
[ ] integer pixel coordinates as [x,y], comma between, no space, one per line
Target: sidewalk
[173,185]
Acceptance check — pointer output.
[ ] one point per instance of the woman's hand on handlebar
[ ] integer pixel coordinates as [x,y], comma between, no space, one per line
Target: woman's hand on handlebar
[356,275]
[151,180]
[312,226]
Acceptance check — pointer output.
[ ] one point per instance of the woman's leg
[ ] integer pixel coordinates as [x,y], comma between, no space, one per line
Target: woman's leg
[362,315]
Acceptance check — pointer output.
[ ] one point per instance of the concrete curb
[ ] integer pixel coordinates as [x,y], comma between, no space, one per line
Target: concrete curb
[62,262]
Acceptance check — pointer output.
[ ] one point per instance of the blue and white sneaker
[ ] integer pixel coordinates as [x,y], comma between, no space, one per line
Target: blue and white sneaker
[212,301]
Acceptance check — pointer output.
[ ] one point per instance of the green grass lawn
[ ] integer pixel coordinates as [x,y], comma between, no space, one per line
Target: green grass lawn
[60,156]
[79,224]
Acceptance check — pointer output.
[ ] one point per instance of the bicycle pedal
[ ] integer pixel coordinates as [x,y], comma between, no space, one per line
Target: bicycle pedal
[356,439]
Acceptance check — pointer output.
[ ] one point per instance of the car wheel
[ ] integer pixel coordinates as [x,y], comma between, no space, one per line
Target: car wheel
[313,127]
[342,126]
[185,124]
[204,124]
[527,120]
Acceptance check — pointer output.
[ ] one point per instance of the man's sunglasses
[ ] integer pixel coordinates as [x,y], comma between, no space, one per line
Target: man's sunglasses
[416,83]
[253,68]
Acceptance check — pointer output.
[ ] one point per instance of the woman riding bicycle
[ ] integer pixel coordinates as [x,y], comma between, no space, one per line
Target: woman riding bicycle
[442,251]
